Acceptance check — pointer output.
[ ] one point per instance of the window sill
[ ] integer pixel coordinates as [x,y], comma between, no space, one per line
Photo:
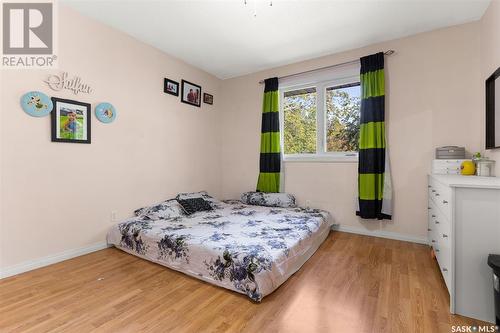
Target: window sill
[326,158]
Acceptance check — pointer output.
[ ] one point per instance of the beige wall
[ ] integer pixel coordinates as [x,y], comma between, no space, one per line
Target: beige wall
[56,197]
[59,196]
[490,59]
[432,100]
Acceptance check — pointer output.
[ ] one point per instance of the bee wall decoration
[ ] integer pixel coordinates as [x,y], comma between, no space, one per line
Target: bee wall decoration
[105,112]
[36,104]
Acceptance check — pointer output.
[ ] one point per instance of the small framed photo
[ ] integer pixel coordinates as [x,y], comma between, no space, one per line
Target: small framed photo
[208,99]
[171,87]
[70,121]
[190,93]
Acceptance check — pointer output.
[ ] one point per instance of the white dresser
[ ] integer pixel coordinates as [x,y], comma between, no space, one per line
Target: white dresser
[464,227]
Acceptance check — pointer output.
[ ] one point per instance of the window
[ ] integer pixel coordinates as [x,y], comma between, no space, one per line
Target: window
[320,121]
[299,112]
[342,118]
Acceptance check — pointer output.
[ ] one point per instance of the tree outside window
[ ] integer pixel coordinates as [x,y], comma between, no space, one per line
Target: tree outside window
[342,116]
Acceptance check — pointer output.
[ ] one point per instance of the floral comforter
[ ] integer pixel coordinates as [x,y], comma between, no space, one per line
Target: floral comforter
[248,249]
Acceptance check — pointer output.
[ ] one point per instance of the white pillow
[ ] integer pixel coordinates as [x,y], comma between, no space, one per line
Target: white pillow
[166,209]
[283,200]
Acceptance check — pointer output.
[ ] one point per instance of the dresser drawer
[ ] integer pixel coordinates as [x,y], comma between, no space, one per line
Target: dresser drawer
[432,228]
[441,196]
[446,163]
[438,223]
[446,171]
[444,260]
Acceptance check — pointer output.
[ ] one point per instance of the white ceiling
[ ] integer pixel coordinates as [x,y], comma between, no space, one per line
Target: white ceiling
[225,39]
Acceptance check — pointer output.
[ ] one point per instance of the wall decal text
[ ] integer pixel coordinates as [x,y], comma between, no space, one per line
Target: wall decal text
[75,84]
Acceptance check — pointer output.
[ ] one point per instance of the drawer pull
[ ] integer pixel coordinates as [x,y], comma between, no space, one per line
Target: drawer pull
[437,222]
[428,186]
[433,241]
[437,194]
[433,191]
[445,235]
[433,215]
[445,269]
[429,208]
[429,229]
[445,202]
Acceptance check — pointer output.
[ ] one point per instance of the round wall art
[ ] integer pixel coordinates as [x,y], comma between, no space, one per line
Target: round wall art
[105,112]
[36,104]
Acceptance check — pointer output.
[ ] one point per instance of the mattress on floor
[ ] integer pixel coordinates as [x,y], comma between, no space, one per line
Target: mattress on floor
[248,249]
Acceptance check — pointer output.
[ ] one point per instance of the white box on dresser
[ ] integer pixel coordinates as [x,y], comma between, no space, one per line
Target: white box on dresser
[446,167]
[464,227]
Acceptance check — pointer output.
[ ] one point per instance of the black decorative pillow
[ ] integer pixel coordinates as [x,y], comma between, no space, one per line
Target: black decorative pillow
[194,205]
[202,194]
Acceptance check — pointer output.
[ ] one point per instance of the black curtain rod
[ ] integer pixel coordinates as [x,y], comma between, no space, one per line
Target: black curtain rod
[387,53]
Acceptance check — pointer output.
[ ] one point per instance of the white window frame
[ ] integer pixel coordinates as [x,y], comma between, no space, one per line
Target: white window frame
[321,154]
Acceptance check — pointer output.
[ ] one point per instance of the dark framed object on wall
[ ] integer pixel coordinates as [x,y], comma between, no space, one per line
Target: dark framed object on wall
[190,93]
[171,87]
[208,99]
[493,111]
[70,121]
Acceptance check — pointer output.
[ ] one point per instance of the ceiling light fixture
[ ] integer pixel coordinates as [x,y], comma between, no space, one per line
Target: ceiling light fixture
[245,2]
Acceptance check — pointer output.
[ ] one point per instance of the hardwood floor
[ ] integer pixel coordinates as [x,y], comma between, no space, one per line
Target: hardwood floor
[352,284]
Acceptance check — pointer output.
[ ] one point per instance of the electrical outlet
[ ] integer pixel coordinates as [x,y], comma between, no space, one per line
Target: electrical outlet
[113,216]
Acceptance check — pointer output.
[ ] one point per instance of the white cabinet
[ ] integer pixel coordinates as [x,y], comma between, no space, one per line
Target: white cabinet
[463,228]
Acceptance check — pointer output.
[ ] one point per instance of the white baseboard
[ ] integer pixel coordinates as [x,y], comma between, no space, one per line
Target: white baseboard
[379,233]
[55,258]
[49,260]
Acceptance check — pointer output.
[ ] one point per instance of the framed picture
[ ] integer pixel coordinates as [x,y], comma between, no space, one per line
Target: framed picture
[70,121]
[190,93]
[171,87]
[208,99]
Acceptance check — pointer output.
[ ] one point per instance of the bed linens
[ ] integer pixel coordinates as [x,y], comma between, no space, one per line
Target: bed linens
[248,249]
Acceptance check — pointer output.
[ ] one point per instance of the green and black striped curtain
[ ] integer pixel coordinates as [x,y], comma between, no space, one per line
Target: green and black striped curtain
[374,179]
[270,152]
